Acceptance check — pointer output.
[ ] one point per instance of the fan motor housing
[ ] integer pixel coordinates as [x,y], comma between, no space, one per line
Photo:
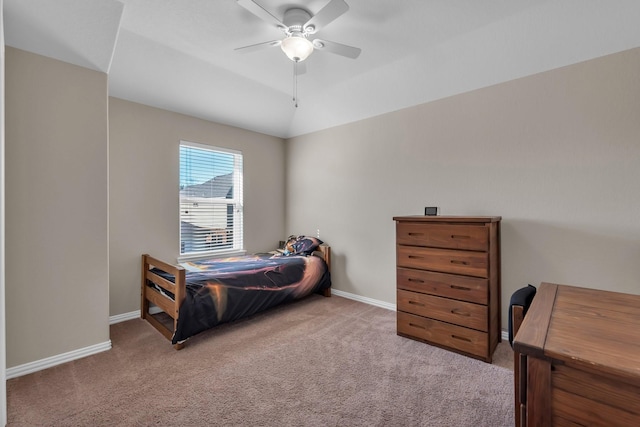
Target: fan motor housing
[295,18]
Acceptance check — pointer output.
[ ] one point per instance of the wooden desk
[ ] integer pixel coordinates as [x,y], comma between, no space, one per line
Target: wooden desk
[580,358]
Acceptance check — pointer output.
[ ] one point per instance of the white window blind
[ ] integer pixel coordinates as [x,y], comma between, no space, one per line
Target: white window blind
[210,199]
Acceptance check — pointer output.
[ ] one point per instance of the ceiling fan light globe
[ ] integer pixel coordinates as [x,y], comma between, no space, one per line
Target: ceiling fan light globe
[297,47]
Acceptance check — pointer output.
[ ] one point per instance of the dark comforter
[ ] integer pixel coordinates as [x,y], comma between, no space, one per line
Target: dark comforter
[228,289]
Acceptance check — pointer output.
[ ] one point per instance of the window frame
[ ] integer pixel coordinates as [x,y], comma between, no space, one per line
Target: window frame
[237,203]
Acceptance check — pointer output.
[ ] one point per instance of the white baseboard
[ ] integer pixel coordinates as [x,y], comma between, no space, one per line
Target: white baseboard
[124,317]
[49,362]
[154,310]
[131,315]
[387,305]
[365,300]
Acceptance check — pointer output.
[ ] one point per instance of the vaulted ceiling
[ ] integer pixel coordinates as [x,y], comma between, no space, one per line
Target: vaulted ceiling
[179,55]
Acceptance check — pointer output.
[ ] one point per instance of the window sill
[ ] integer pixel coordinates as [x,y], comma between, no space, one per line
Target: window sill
[216,254]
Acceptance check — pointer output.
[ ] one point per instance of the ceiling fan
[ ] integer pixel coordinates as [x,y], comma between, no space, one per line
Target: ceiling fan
[298,25]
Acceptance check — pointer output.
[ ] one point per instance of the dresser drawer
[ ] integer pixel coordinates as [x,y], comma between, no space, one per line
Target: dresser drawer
[464,237]
[445,334]
[444,260]
[464,288]
[448,310]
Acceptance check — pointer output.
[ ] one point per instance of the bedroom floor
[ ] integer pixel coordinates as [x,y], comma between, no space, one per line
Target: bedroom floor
[319,361]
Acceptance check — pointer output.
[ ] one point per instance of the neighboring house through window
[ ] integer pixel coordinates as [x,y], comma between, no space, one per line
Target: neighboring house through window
[211,203]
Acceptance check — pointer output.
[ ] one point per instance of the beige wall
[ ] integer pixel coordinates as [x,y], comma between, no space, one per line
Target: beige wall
[57,274]
[3,352]
[144,182]
[557,155]
[554,154]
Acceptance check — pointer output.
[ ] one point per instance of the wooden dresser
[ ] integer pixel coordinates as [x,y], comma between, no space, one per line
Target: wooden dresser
[448,282]
[579,359]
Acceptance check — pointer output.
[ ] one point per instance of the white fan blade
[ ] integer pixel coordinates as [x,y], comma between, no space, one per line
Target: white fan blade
[258,46]
[326,15]
[261,12]
[337,48]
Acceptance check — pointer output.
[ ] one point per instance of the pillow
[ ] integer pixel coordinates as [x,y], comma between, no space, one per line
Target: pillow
[301,245]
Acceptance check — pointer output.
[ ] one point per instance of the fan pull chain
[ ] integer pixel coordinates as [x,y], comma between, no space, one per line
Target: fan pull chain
[295,83]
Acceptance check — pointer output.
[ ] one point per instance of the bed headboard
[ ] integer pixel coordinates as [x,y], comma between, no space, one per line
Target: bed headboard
[325,250]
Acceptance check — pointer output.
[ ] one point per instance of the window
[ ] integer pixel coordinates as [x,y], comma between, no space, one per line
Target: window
[210,200]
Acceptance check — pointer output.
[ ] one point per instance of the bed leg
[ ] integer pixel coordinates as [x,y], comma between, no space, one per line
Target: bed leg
[179,346]
[326,292]
[144,303]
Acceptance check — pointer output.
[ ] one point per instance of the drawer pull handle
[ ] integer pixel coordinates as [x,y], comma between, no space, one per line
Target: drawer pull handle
[455,261]
[413,325]
[460,288]
[460,338]
[459,236]
[411,279]
[460,313]
[416,257]
[419,304]
[416,234]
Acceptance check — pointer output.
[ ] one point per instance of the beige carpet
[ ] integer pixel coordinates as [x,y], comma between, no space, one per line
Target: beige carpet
[317,362]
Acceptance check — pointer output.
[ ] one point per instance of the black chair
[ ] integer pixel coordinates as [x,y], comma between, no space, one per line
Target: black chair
[518,305]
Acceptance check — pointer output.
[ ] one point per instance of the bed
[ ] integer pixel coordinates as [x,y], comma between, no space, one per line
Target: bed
[199,295]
